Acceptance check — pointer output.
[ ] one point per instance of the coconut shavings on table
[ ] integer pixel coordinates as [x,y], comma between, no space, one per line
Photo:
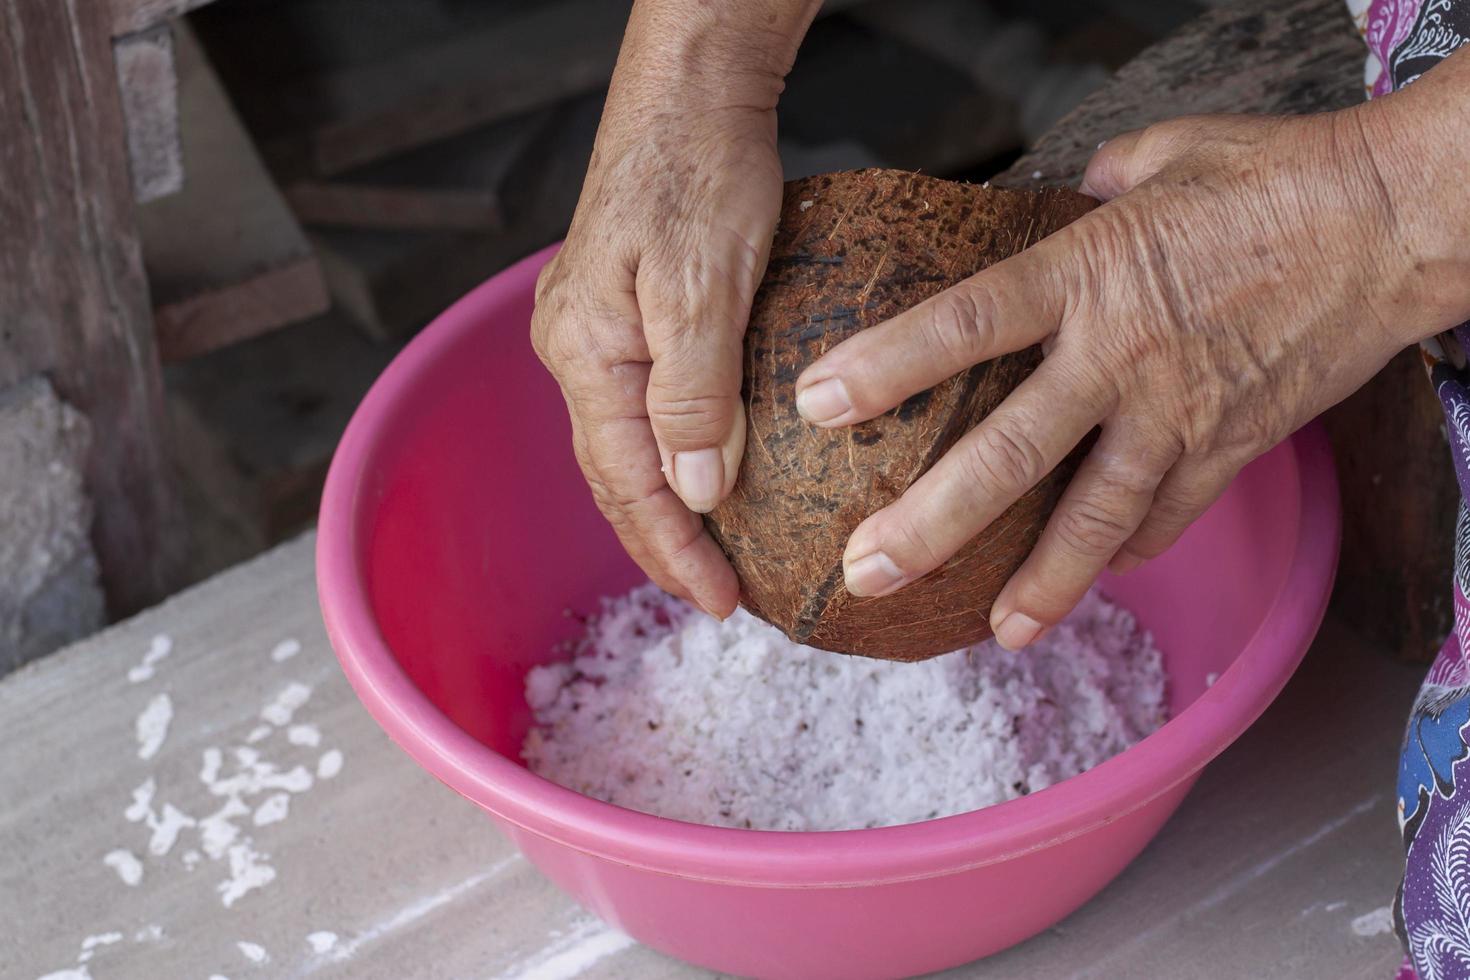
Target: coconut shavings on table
[666,710]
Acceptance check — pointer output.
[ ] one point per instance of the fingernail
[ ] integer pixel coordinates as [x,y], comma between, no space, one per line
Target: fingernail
[699,476]
[1017,630]
[712,611]
[823,401]
[1123,563]
[872,575]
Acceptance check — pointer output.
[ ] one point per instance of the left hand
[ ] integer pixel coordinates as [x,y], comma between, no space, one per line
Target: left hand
[1246,274]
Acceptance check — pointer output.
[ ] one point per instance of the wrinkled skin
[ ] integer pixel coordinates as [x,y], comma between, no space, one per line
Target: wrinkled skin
[1245,274]
[640,316]
[1242,278]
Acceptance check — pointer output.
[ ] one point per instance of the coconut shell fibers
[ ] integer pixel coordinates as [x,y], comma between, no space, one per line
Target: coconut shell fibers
[852,250]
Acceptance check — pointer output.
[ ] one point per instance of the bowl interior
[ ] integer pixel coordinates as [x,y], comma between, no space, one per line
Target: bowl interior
[479,535]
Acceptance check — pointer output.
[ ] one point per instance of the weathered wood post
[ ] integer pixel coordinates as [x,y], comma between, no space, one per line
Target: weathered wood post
[73,300]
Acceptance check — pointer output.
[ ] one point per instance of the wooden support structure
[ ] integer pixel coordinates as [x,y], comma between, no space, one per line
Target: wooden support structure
[150,97]
[131,16]
[1399,491]
[459,184]
[441,90]
[226,259]
[391,284]
[73,301]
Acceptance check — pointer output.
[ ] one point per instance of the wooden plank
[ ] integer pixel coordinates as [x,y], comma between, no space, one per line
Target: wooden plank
[286,293]
[1286,840]
[1399,499]
[150,97]
[225,257]
[391,284]
[130,16]
[443,89]
[1399,492]
[394,208]
[278,405]
[73,300]
[453,185]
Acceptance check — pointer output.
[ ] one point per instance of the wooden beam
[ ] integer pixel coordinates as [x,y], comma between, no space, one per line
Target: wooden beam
[213,318]
[390,284]
[458,184]
[130,16]
[394,208]
[150,99]
[225,256]
[73,301]
[439,90]
[1398,488]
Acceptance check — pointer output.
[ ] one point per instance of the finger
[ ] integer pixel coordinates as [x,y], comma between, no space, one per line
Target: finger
[694,316]
[973,484]
[651,564]
[625,472]
[1185,493]
[1127,160]
[1117,167]
[1100,510]
[1009,306]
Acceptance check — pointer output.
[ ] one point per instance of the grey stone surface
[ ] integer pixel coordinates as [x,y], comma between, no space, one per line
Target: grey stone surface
[49,592]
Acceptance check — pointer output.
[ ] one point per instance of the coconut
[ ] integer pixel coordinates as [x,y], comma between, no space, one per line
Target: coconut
[852,250]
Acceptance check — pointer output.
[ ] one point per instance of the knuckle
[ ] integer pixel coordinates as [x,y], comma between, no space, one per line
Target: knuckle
[1125,478]
[672,283]
[1004,458]
[1151,544]
[546,279]
[1167,519]
[909,546]
[1166,138]
[1090,529]
[541,334]
[1170,512]
[555,341]
[551,325]
[1108,159]
[607,501]
[962,325]
[622,496]
[690,419]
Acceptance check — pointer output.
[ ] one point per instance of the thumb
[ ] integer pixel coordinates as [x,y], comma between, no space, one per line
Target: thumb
[695,335]
[1117,167]
[1125,161]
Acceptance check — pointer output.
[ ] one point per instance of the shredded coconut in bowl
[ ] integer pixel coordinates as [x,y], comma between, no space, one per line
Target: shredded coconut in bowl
[666,710]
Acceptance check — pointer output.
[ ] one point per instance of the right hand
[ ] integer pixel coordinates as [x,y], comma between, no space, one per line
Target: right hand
[641,315]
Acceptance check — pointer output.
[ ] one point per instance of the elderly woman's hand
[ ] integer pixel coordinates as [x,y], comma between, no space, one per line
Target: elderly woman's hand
[640,316]
[1246,274]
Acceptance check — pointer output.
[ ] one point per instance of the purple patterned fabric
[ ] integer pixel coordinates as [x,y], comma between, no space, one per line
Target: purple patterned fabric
[1406,38]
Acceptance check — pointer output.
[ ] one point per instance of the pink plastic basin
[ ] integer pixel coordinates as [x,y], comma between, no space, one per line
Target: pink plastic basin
[455,529]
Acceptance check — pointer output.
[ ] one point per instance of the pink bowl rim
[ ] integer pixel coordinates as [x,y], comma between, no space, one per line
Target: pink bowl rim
[782,859]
